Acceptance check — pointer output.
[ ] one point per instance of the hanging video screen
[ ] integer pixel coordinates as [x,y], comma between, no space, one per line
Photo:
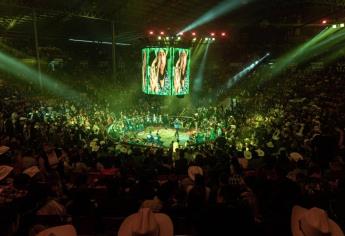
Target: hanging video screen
[181,71]
[165,71]
[156,71]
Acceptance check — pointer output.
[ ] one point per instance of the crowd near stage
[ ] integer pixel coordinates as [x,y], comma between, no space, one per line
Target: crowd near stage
[158,132]
[172,118]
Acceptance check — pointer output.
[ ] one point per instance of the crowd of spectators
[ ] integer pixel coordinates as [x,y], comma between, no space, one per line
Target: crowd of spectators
[282,145]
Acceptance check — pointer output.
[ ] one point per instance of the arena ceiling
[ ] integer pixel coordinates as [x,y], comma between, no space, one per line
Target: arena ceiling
[133,18]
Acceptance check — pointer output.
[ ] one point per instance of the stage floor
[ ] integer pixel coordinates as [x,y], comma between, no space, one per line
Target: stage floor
[167,135]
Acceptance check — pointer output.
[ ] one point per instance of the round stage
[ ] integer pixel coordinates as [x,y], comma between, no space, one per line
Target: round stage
[167,135]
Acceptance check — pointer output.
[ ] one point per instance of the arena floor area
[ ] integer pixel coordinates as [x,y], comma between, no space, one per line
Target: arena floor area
[167,135]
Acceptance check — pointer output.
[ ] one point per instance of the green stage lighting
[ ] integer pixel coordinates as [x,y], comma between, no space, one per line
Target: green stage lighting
[17,68]
[200,74]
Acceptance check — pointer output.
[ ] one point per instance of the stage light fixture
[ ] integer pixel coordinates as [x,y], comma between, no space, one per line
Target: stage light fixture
[178,38]
[193,33]
[223,34]
[213,34]
[324,22]
[334,26]
[213,39]
[162,32]
[206,39]
[167,38]
[151,32]
[159,37]
[194,39]
[342,25]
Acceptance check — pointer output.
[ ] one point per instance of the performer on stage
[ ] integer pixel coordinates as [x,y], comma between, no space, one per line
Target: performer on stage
[157,138]
[177,127]
[150,137]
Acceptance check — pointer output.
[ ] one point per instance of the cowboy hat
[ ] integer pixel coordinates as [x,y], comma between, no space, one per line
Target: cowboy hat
[155,204]
[5,171]
[31,171]
[3,149]
[63,230]
[260,152]
[270,144]
[276,135]
[145,222]
[247,154]
[295,156]
[194,170]
[313,222]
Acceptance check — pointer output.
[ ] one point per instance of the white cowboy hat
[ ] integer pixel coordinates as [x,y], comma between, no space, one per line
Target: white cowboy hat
[145,222]
[194,170]
[276,135]
[313,222]
[63,230]
[247,154]
[5,171]
[260,152]
[270,144]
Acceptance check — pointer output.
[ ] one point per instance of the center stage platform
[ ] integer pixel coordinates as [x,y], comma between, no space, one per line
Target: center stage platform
[167,135]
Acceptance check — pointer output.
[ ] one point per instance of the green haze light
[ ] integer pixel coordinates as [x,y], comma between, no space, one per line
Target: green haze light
[200,74]
[23,72]
[334,26]
[301,51]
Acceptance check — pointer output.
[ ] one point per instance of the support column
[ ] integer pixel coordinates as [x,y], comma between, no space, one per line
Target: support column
[37,49]
[113,49]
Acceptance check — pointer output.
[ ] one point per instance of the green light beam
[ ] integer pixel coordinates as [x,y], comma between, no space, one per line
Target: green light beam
[200,75]
[217,11]
[17,68]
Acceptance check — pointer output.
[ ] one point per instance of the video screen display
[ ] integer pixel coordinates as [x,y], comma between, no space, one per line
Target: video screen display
[181,71]
[165,71]
[156,71]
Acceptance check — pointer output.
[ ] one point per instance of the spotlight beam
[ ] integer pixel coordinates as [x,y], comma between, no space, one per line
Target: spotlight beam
[200,77]
[245,72]
[303,52]
[22,71]
[215,12]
